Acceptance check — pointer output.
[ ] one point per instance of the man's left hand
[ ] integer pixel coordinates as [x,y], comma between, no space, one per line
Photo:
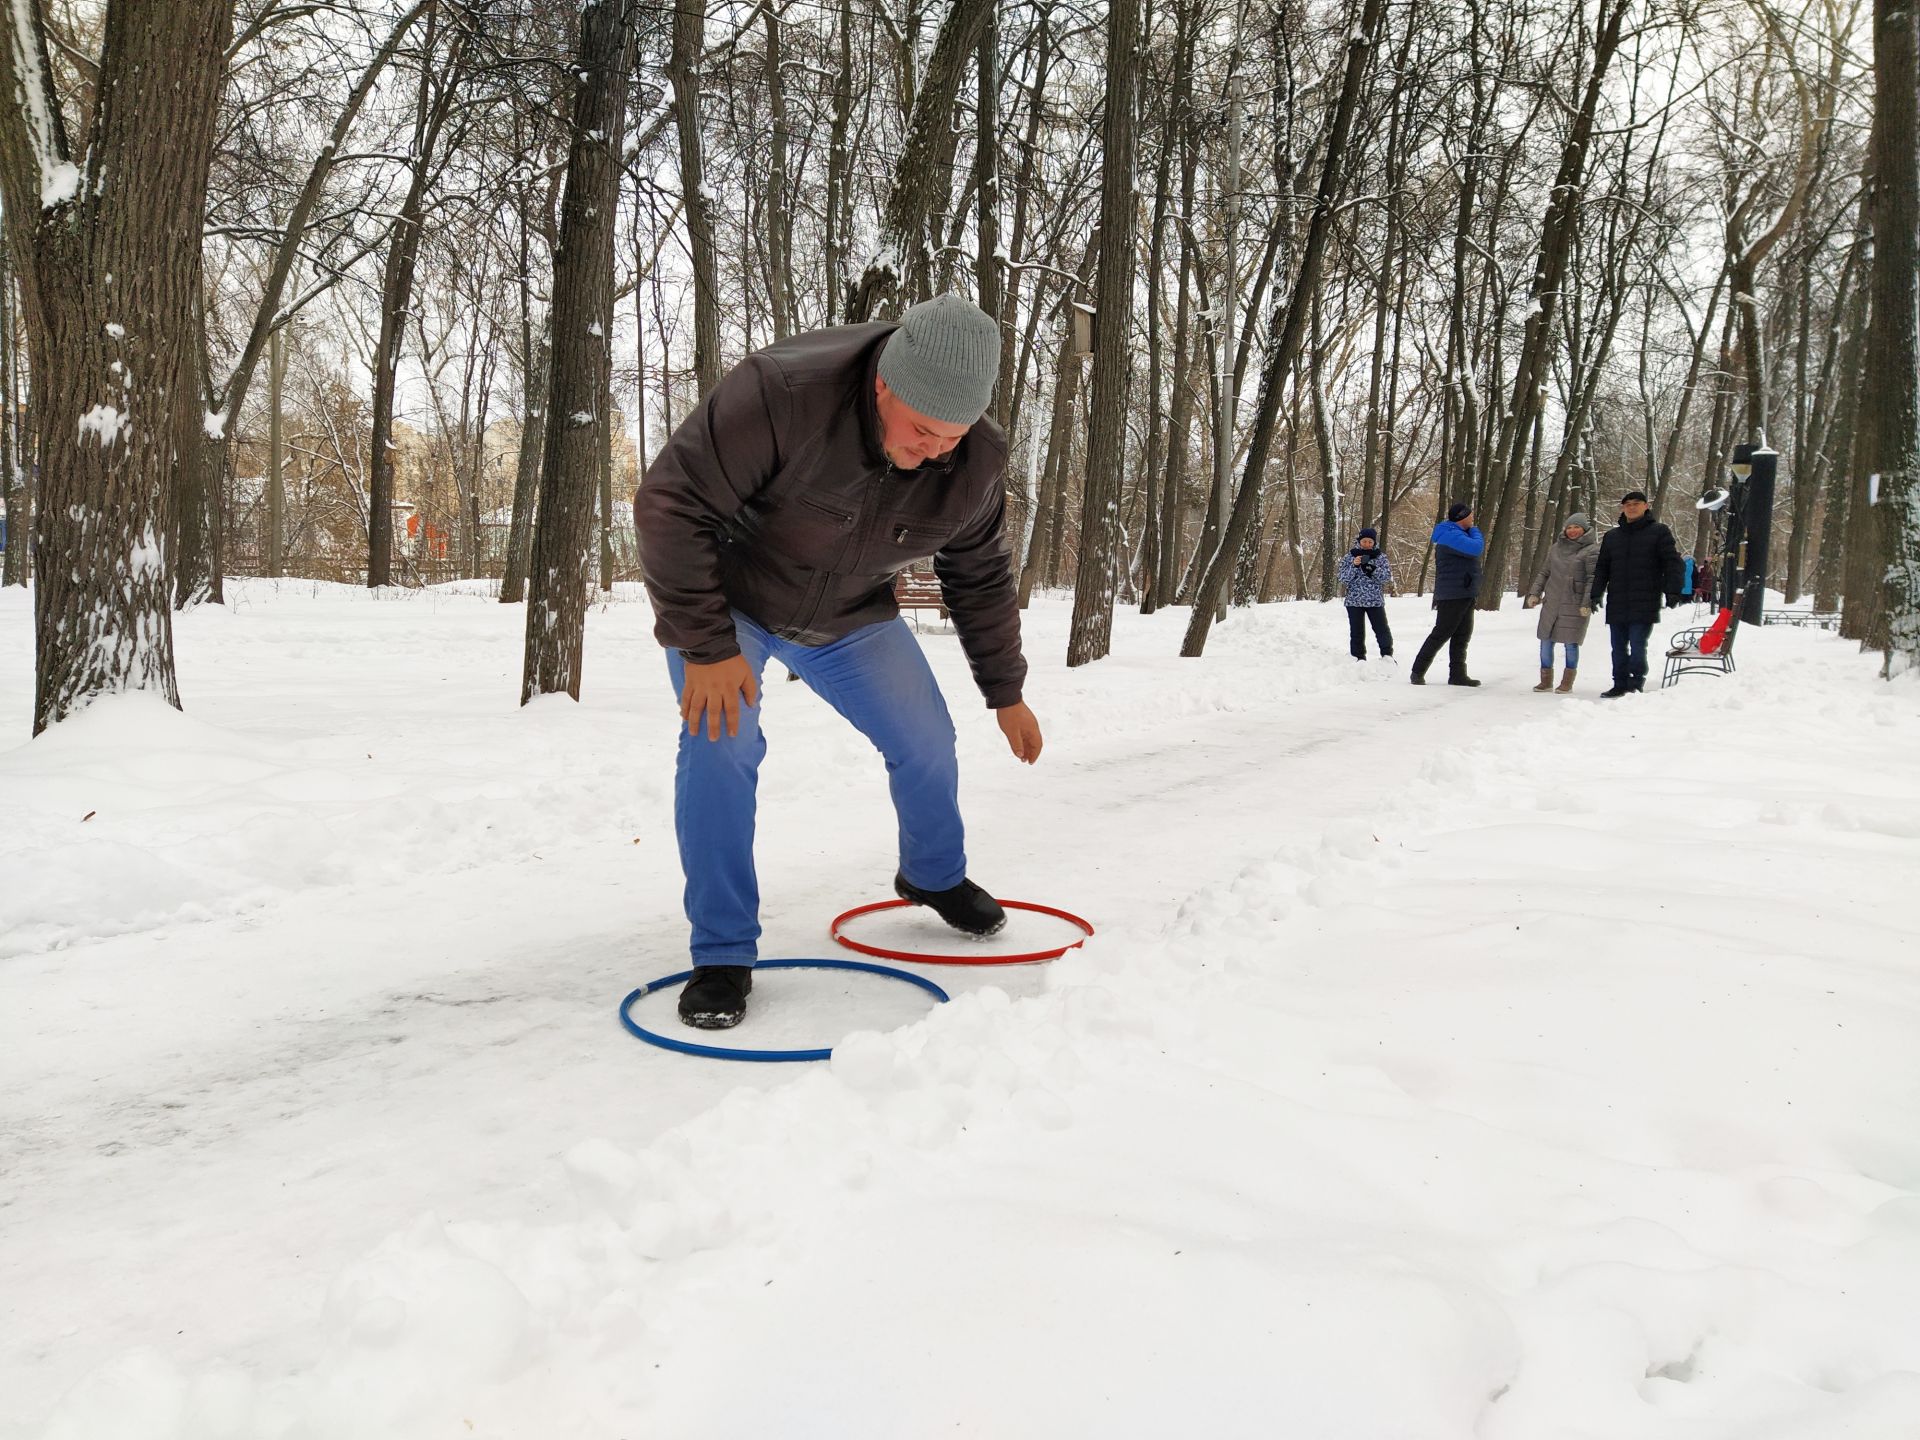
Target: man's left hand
[1017,723]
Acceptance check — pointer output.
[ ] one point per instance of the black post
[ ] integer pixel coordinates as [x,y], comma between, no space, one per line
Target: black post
[1754,500]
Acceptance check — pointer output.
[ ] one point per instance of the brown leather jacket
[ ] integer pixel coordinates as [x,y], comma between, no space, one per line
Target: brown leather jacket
[774,498]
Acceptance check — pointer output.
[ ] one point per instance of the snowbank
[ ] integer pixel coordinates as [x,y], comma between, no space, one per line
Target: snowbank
[1448,1064]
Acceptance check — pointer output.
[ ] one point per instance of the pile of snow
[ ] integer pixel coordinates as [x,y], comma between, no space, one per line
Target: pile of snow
[1448,1064]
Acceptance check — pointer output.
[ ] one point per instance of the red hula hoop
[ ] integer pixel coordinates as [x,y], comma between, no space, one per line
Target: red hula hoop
[859,910]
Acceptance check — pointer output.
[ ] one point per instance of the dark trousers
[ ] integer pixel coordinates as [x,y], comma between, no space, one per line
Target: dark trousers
[1630,656]
[1358,618]
[1452,627]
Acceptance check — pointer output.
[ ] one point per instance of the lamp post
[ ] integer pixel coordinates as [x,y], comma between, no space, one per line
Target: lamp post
[1750,529]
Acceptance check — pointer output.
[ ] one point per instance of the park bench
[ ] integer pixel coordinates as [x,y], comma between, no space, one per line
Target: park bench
[1818,619]
[1684,655]
[918,589]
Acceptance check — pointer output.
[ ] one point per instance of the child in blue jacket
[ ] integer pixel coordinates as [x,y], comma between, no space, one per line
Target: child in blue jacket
[1366,576]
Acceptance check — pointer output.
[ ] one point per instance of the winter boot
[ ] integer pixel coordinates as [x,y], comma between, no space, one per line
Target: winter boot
[1566,682]
[1417,678]
[966,907]
[1462,680]
[1546,679]
[716,997]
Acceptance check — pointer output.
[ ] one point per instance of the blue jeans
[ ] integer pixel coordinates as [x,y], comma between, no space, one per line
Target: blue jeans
[1630,655]
[880,681]
[1546,655]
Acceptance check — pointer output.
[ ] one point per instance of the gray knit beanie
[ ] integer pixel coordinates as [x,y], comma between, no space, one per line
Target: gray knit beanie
[1577,518]
[943,359]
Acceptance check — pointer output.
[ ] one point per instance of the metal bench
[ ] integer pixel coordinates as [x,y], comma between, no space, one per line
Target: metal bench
[1685,657]
[1817,619]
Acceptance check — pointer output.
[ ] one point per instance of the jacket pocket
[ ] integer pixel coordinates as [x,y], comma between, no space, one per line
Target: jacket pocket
[900,543]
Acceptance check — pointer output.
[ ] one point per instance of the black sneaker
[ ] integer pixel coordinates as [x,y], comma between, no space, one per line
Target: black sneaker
[716,997]
[966,907]
[1416,678]
[1615,693]
[1462,680]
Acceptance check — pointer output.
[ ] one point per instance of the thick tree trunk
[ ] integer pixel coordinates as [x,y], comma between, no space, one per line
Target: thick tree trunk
[1892,408]
[1091,634]
[109,257]
[580,388]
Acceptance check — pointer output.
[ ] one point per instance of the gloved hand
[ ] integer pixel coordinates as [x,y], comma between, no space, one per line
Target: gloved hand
[1674,602]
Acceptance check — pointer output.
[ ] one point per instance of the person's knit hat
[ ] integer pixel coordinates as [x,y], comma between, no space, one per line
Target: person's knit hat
[943,360]
[1459,510]
[1577,518]
[1369,533]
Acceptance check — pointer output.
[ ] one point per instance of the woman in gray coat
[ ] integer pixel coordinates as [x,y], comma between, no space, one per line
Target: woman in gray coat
[1563,591]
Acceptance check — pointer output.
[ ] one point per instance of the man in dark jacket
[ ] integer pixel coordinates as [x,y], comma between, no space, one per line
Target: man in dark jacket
[1639,565]
[773,525]
[1457,548]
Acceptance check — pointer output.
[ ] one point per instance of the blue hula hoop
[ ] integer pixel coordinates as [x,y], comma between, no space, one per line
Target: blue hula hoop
[721,1052]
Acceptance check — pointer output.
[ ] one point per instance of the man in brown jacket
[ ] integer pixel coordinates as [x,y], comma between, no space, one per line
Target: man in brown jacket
[773,525]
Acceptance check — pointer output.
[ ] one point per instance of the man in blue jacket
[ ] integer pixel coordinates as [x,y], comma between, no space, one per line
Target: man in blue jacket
[1457,548]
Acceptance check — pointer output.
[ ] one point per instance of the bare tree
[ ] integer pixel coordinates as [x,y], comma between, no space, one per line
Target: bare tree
[1288,323]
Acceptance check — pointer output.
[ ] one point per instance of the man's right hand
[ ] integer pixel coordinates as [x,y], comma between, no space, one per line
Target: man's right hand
[716,691]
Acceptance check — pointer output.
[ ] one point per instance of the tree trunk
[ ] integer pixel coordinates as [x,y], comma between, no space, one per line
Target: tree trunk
[683,70]
[108,253]
[526,475]
[580,388]
[13,489]
[779,216]
[1323,445]
[1892,406]
[276,452]
[988,263]
[1091,634]
[1837,444]
[839,169]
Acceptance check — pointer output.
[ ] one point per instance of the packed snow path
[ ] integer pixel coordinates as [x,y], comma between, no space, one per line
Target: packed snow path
[1448,1063]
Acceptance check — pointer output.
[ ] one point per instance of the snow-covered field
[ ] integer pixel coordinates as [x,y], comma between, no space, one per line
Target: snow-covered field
[1448,1063]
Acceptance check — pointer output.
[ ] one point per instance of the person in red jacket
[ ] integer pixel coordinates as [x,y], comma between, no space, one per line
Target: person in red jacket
[772,525]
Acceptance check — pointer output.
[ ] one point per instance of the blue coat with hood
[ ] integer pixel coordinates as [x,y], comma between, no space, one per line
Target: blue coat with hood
[1456,553]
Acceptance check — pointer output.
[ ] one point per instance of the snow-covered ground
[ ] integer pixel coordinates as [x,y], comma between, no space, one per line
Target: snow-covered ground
[1448,1063]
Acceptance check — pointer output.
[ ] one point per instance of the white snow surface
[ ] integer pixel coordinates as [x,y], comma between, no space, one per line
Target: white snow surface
[1447,1064]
